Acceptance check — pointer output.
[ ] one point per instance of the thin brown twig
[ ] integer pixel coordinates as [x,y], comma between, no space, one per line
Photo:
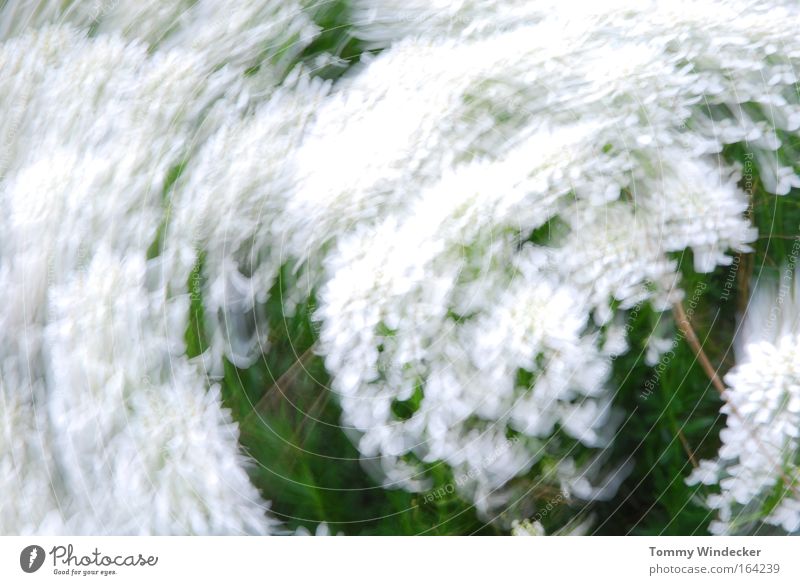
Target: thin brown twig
[283,380]
[319,403]
[687,448]
[743,277]
[688,331]
[691,337]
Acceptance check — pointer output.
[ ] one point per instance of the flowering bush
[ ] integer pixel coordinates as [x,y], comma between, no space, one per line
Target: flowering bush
[757,467]
[483,215]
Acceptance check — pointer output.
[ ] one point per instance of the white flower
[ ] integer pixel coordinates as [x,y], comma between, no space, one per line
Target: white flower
[241,34]
[579,526]
[527,528]
[475,207]
[142,444]
[462,136]
[229,206]
[120,434]
[757,468]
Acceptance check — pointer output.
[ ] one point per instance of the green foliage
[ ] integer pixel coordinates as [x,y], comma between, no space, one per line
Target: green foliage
[335,39]
[678,419]
[307,464]
[671,411]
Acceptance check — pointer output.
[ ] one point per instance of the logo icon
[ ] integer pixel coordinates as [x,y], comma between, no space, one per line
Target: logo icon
[31,558]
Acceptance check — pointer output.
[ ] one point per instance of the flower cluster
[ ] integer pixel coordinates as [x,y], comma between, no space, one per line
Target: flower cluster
[758,467]
[527,181]
[244,36]
[107,427]
[473,206]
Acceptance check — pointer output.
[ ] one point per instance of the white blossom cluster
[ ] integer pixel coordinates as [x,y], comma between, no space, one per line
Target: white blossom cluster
[758,466]
[416,180]
[242,36]
[107,427]
[600,121]
[580,526]
[473,206]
